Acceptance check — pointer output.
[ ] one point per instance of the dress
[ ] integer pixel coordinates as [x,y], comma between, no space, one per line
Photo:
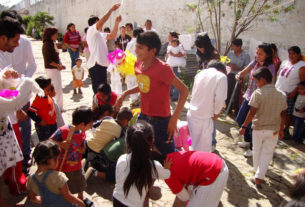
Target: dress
[175,61]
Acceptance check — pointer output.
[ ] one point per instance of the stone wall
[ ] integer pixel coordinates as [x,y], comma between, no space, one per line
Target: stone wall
[172,15]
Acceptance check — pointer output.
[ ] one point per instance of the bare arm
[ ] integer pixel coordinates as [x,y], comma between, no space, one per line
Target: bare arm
[102,21]
[249,118]
[34,198]
[120,100]
[243,72]
[183,90]
[283,118]
[70,198]
[115,29]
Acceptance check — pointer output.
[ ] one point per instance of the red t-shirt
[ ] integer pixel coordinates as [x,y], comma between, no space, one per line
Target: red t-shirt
[154,84]
[111,102]
[44,108]
[74,156]
[193,167]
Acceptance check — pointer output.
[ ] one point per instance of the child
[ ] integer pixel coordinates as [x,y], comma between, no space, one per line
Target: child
[104,95]
[42,110]
[136,171]
[51,185]
[299,114]
[268,105]
[82,120]
[78,76]
[182,137]
[108,144]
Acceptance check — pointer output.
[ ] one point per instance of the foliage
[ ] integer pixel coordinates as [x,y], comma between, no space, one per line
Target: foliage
[38,22]
[187,80]
[244,12]
[26,20]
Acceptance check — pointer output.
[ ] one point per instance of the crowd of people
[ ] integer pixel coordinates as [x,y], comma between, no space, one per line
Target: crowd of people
[133,147]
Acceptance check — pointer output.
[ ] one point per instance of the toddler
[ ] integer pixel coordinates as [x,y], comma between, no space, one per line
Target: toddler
[299,114]
[78,76]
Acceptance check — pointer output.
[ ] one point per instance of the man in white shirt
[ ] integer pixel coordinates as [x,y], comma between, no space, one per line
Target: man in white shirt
[148,26]
[98,61]
[208,98]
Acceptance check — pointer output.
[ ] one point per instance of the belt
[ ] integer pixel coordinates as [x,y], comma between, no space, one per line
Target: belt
[151,118]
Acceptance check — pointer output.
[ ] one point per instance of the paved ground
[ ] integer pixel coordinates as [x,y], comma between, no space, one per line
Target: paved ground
[239,191]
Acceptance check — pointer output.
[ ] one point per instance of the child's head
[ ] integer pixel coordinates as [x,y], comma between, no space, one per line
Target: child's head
[129,27]
[137,31]
[46,153]
[297,192]
[82,118]
[139,142]
[123,30]
[52,91]
[104,90]
[218,65]
[262,77]
[45,84]
[102,111]
[78,62]
[301,88]
[148,45]
[175,42]
[124,116]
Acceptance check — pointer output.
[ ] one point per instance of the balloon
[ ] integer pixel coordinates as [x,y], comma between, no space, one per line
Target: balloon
[7,93]
[116,57]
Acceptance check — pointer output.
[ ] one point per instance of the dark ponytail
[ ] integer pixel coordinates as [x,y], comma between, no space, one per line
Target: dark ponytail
[139,142]
[45,151]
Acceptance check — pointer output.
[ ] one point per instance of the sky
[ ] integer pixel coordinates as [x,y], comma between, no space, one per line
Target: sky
[9,3]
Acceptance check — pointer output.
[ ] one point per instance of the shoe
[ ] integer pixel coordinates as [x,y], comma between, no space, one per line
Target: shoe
[243,144]
[88,203]
[248,153]
[257,182]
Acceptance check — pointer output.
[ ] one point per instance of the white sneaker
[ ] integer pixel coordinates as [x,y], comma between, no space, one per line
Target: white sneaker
[243,144]
[248,153]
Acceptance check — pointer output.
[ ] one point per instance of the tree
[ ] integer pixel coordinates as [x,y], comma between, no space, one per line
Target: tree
[39,21]
[26,20]
[244,12]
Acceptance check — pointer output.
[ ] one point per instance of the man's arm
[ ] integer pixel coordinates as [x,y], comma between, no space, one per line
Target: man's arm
[183,90]
[249,118]
[101,22]
[115,29]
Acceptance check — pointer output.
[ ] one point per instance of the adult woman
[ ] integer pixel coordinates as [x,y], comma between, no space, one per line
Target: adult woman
[291,73]
[205,50]
[72,40]
[263,58]
[52,62]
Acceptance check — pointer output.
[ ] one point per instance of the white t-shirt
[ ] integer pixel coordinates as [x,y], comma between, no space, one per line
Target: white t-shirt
[22,59]
[288,76]
[209,94]
[122,170]
[78,72]
[97,45]
[299,104]
[175,61]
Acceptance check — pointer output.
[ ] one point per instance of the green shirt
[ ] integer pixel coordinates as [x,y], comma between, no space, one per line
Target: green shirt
[115,149]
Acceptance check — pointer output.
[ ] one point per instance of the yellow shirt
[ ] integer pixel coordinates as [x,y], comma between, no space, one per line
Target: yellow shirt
[104,133]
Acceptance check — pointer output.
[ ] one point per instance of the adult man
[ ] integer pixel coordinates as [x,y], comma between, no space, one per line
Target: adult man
[154,79]
[22,61]
[208,98]
[239,59]
[98,61]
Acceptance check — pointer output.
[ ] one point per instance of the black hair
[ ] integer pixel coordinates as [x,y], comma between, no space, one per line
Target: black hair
[105,88]
[264,73]
[295,49]
[139,141]
[100,110]
[43,82]
[86,29]
[45,151]
[92,20]
[129,24]
[11,13]
[218,65]
[48,33]
[267,49]
[204,41]
[122,26]
[237,42]
[174,34]
[82,114]
[107,29]
[151,40]
[273,47]
[70,25]
[176,41]
[297,191]
[148,20]
[137,31]
[302,83]
[9,27]
[124,114]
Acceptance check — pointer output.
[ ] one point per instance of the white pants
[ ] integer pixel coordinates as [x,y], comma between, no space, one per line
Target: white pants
[264,142]
[201,131]
[131,82]
[55,76]
[210,195]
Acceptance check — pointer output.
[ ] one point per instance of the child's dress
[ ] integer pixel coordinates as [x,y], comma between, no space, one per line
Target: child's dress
[49,198]
[175,61]
[182,138]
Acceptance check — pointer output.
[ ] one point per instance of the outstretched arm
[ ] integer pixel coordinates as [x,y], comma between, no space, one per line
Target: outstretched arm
[101,22]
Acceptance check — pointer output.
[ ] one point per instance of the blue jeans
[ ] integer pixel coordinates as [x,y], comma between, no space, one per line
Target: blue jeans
[298,129]
[174,92]
[241,117]
[25,129]
[214,141]
[160,125]
[73,56]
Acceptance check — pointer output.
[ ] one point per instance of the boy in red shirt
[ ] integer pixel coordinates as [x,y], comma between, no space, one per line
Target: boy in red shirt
[199,177]
[82,119]
[42,110]
[154,80]
[104,95]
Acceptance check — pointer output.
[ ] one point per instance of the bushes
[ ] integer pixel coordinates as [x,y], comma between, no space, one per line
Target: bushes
[36,24]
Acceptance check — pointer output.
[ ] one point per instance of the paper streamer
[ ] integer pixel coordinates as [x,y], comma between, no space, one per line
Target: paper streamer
[121,7]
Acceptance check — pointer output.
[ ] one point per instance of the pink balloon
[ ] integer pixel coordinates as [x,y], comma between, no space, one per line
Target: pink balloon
[116,57]
[189,141]
[7,93]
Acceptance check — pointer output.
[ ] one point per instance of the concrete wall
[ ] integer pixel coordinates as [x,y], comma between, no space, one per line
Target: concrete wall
[173,15]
